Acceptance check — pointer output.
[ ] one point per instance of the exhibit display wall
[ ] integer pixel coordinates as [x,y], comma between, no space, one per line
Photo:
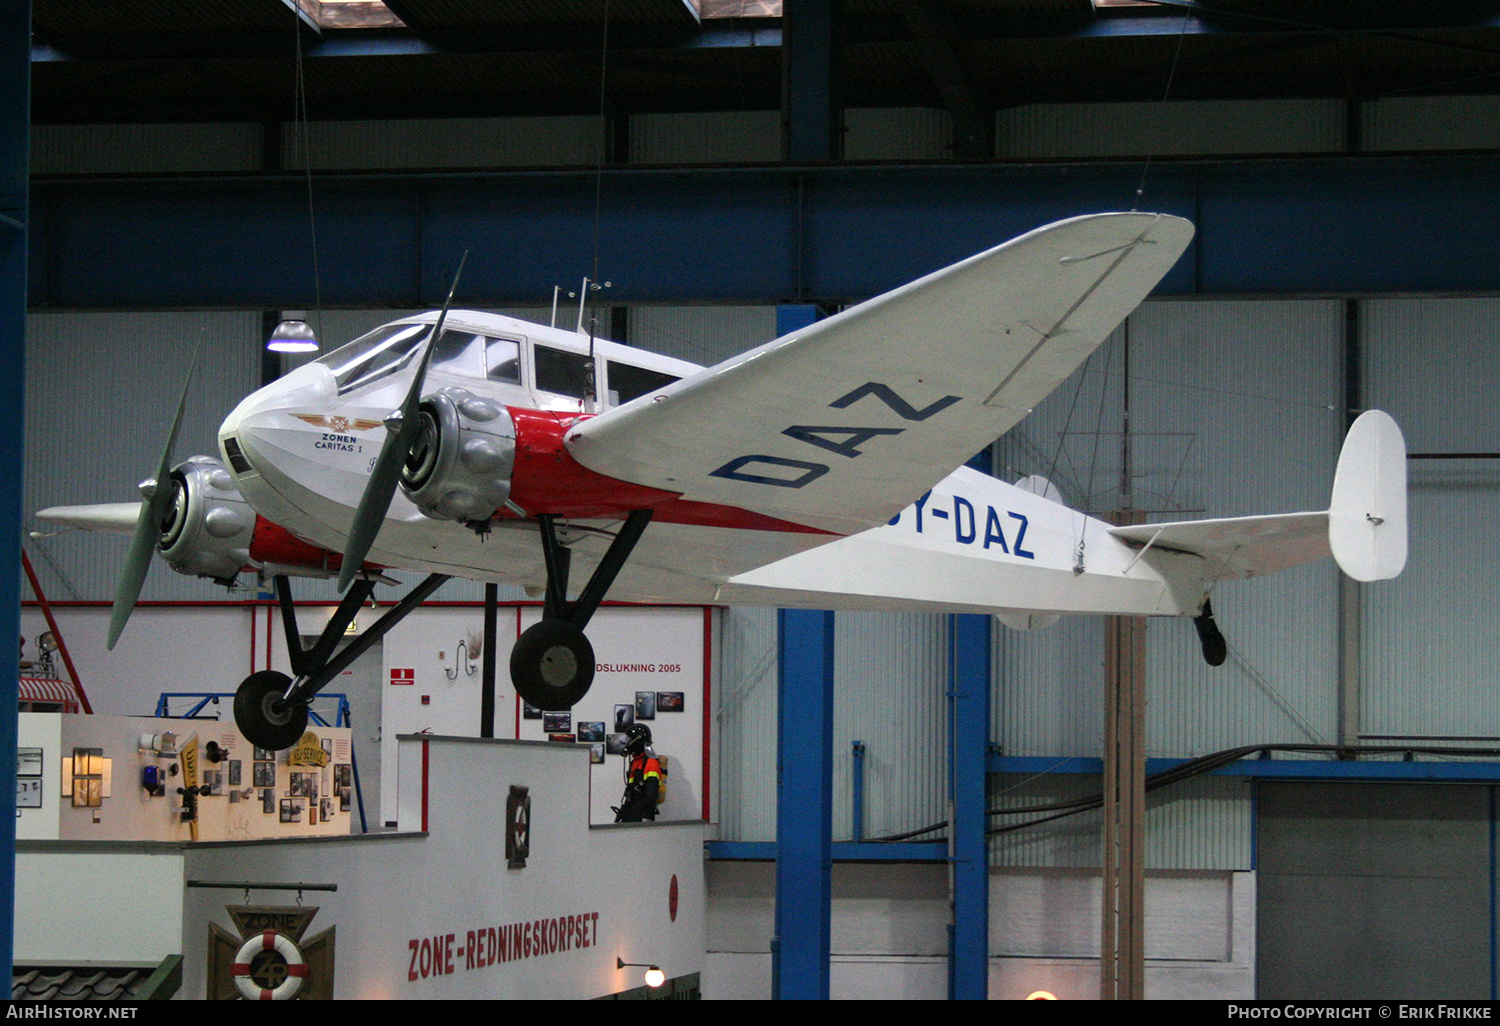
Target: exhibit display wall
[121,778]
[423,676]
[453,914]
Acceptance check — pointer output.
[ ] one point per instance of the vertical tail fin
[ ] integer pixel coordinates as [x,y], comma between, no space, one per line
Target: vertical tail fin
[1367,515]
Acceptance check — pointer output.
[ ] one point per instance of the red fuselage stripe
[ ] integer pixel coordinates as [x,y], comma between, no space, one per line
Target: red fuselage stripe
[548,480]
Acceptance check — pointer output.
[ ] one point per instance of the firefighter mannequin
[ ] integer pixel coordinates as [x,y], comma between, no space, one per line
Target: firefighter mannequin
[642,777]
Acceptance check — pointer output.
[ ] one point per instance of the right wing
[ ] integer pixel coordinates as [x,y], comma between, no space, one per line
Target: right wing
[841,425]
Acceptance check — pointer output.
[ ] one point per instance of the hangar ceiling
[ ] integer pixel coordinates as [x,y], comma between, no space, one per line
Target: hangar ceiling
[234,60]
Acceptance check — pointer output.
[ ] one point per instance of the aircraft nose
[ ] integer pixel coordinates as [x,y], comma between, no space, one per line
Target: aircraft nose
[298,447]
[264,413]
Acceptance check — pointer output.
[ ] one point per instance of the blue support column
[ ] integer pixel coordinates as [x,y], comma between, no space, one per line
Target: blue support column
[804,784]
[968,733]
[15,124]
[809,129]
[804,805]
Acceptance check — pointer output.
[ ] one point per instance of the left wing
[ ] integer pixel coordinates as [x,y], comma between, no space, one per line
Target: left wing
[843,424]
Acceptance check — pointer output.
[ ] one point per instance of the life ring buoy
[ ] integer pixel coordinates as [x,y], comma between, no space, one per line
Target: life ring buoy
[296,967]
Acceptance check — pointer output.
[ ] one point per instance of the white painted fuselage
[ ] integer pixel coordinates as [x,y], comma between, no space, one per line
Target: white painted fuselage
[301,453]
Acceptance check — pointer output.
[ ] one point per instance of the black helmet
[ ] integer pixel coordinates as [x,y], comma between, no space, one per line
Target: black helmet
[637,738]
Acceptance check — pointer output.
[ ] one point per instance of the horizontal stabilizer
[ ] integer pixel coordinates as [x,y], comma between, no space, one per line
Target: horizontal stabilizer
[1238,546]
[110,517]
[1364,529]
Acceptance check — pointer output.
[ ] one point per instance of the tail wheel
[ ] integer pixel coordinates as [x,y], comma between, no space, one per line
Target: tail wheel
[267,719]
[552,665]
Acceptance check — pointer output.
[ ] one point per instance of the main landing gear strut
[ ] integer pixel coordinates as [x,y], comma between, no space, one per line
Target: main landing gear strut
[270,708]
[552,665]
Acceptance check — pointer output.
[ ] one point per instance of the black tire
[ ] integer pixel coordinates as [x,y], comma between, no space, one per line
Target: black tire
[263,717]
[552,665]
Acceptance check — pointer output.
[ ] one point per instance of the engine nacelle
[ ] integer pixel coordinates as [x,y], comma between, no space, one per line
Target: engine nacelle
[207,530]
[460,466]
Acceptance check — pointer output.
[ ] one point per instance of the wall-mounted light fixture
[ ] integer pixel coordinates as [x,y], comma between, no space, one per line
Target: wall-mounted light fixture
[654,976]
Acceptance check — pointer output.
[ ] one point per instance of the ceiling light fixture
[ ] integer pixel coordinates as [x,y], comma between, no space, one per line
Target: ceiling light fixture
[293,334]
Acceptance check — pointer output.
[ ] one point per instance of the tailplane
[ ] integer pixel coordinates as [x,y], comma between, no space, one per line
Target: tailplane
[1364,528]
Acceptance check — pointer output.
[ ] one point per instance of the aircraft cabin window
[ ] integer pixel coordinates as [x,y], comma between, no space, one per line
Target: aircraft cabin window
[460,352]
[504,358]
[627,382]
[561,373]
[374,355]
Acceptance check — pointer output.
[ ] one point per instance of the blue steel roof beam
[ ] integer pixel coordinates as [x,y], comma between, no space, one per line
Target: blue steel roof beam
[1277,226]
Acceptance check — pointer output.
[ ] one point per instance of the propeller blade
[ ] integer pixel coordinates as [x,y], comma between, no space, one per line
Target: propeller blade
[401,432]
[147,523]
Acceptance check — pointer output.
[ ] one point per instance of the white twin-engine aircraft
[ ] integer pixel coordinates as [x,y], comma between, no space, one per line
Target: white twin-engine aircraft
[823,469]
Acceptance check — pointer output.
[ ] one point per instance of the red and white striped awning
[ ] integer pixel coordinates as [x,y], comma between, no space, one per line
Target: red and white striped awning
[48,689]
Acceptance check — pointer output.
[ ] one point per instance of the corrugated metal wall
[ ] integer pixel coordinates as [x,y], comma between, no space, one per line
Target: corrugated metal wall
[900,133]
[101,389]
[704,335]
[1033,131]
[457,142]
[747,137]
[1233,410]
[1182,127]
[1431,658]
[123,149]
[1253,392]
[1431,123]
[1203,823]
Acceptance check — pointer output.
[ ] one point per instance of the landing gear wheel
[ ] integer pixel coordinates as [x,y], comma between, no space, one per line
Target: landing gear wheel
[552,665]
[263,716]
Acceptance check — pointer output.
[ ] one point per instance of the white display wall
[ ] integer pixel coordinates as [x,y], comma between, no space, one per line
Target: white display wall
[253,793]
[648,659]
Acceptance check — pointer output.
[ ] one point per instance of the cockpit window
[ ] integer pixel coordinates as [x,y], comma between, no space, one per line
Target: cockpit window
[374,355]
[387,349]
[627,382]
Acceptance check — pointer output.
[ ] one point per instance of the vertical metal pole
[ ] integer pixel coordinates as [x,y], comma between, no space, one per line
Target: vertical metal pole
[804,805]
[487,678]
[1349,607]
[969,674]
[1122,964]
[858,812]
[15,126]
